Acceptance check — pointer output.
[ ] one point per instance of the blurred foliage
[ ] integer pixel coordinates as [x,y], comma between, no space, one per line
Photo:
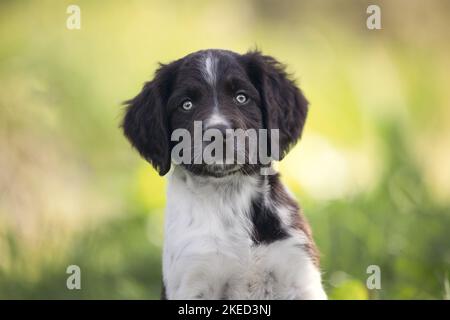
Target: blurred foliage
[371,171]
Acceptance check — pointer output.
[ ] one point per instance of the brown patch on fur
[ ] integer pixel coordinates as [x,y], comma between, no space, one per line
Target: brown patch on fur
[299,221]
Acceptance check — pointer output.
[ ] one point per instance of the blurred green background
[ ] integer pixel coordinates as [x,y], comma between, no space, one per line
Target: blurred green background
[372,171]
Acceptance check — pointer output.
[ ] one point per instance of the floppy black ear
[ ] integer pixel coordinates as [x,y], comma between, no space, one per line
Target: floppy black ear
[284,106]
[146,122]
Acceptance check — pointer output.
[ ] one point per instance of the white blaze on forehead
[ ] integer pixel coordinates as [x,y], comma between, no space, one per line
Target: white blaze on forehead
[209,69]
[209,72]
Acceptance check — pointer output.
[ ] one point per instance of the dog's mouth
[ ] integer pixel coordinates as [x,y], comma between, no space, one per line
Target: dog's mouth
[225,158]
[214,170]
[221,170]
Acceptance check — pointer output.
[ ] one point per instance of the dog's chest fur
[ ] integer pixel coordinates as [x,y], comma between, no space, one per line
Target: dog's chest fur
[235,238]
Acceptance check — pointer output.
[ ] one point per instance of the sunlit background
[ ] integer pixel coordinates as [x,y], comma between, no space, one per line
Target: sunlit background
[372,171]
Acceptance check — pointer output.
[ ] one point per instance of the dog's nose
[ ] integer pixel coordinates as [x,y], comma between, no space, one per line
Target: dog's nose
[222,128]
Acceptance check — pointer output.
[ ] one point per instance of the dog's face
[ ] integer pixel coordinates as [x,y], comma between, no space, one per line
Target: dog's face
[221,91]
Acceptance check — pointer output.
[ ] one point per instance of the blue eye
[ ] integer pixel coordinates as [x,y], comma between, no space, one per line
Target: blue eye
[187,105]
[241,98]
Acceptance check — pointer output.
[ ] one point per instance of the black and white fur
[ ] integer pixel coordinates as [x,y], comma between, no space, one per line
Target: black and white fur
[230,232]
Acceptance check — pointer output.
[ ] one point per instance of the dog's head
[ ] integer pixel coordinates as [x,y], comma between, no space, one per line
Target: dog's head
[221,90]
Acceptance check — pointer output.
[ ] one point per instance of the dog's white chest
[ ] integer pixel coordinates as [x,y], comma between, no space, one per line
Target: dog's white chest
[209,252]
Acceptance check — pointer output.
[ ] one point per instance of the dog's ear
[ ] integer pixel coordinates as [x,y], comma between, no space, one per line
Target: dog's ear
[284,106]
[146,121]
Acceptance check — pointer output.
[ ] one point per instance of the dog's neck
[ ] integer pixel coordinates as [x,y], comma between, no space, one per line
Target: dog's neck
[254,200]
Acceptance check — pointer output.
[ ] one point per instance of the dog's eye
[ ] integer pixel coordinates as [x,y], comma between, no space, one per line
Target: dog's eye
[241,98]
[187,105]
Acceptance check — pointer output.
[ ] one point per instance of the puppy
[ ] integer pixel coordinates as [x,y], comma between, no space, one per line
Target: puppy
[232,230]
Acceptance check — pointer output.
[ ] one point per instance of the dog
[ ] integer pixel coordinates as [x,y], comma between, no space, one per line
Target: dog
[231,232]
